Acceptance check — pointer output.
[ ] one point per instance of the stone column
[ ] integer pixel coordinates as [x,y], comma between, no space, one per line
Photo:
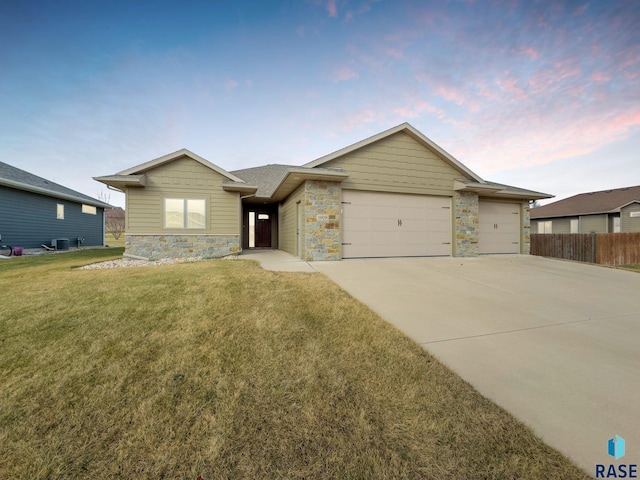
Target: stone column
[526,228]
[322,220]
[466,206]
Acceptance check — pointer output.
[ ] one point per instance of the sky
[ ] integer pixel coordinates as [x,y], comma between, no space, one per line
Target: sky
[543,95]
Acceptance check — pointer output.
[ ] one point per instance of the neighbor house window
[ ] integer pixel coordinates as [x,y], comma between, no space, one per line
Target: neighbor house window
[544,227]
[60,212]
[616,224]
[88,209]
[574,226]
[184,213]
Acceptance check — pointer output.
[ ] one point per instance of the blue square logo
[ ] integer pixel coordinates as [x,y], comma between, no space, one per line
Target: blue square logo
[616,447]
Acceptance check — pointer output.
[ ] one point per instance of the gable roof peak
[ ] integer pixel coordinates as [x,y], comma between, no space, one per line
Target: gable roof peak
[183,152]
[413,132]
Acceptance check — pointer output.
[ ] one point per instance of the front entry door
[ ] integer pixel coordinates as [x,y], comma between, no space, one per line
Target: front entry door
[263,230]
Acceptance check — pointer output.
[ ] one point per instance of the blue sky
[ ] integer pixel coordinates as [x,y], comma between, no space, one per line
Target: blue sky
[539,94]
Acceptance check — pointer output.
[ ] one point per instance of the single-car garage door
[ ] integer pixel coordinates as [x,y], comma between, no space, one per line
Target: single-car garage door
[395,225]
[499,227]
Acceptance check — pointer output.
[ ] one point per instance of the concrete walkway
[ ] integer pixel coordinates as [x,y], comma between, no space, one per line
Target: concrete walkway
[277,260]
[555,343]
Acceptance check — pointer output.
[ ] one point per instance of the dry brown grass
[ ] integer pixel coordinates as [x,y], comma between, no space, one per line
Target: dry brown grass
[112,242]
[224,370]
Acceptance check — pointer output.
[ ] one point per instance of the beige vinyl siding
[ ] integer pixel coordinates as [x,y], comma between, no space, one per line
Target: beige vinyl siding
[288,222]
[593,224]
[397,164]
[561,225]
[534,226]
[182,178]
[627,222]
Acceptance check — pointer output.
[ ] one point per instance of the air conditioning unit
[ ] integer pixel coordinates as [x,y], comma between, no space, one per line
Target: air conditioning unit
[60,243]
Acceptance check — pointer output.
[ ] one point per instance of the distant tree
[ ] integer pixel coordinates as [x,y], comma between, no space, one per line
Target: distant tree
[115,222]
[104,196]
[534,204]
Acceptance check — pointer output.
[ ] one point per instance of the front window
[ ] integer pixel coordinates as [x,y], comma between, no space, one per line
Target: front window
[184,213]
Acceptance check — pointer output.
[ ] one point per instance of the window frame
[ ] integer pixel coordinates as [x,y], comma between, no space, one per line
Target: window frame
[60,211]
[186,221]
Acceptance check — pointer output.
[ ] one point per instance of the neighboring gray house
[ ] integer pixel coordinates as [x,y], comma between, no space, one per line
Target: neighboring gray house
[395,194]
[607,211]
[35,212]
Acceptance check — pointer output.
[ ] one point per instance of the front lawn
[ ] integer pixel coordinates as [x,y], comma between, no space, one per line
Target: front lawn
[224,370]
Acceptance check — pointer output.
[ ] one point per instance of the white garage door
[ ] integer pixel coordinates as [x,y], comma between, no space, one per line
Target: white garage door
[499,227]
[395,225]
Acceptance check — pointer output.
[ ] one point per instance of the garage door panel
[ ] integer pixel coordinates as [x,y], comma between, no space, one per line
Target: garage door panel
[499,227]
[396,225]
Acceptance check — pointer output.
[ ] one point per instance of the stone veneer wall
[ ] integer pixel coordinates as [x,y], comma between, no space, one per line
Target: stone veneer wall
[526,228]
[466,212]
[322,238]
[155,247]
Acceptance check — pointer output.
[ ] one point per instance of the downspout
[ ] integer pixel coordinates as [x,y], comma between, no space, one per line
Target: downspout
[242,217]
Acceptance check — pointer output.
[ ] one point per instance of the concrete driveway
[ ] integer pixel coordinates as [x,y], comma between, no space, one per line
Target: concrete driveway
[555,343]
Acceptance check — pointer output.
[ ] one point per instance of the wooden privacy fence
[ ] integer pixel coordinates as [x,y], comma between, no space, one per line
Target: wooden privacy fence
[602,248]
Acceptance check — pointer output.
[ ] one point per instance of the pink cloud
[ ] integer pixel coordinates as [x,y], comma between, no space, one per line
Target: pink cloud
[450,93]
[530,52]
[230,84]
[600,77]
[629,63]
[509,84]
[332,8]
[394,52]
[580,10]
[360,118]
[416,108]
[343,74]
[567,68]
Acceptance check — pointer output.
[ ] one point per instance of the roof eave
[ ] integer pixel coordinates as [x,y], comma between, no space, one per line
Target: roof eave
[297,175]
[50,193]
[498,191]
[475,187]
[580,214]
[238,187]
[529,195]
[123,181]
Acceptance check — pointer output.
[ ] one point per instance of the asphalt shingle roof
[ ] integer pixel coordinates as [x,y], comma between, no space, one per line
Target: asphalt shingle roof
[17,176]
[593,202]
[266,178]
